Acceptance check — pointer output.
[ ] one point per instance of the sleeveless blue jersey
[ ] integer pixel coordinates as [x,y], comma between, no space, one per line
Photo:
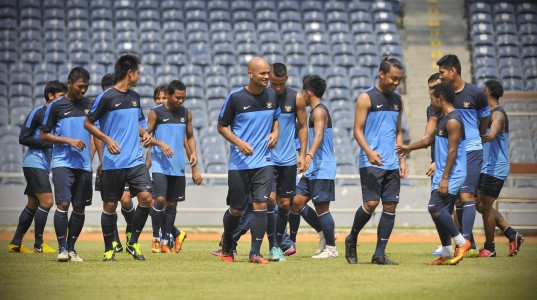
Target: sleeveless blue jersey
[380,128]
[170,128]
[472,104]
[119,115]
[250,118]
[285,152]
[323,164]
[458,172]
[66,118]
[39,153]
[431,113]
[496,153]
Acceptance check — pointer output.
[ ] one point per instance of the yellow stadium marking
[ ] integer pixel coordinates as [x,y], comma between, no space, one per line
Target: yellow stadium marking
[434,32]
[436,43]
[433,65]
[432,10]
[436,54]
[433,22]
[432,1]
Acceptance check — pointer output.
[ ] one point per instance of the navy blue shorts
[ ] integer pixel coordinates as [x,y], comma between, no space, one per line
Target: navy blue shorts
[245,183]
[379,184]
[99,184]
[490,185]
[284,181]
[37,181]
[438,203]
[72,185]
[170,187]
[114,181]
[474,161]
[318,190]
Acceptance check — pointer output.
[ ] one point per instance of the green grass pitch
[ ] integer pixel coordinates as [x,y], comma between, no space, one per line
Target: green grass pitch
[195,274]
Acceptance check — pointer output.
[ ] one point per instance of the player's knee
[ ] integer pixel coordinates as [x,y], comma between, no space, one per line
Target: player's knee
[235,212]
[389,207]
[79,209]
[434,212]
[109,206]
[160,201]
[284,203]
[64,206]
[259,205]
[370,206]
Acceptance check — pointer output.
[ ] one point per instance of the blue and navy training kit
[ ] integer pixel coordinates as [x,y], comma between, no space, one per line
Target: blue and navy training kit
[284,154]
[39,153]
[472,104]
[170,128]
[496,152]
[323,163]
[120,115]
[380,129]
[66,118]
[250,117]
[458,172]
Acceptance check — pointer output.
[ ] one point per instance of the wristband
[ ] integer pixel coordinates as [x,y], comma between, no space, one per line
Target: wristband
[309,155]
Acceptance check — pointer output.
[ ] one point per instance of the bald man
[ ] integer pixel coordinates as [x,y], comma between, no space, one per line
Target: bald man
[249,121]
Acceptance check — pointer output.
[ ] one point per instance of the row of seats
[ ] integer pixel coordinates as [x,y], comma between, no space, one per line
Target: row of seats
[503,36]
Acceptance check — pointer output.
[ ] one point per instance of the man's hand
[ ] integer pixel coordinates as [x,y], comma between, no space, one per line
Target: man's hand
[193,160]
[196,176]
[443,187]
[374,158]
[112,146]
[272,140]
[300,165]
[245,148]
[485,138]
[402,150]
[167,150]
[430,169]
[403,170]
[77,144]
[146,139]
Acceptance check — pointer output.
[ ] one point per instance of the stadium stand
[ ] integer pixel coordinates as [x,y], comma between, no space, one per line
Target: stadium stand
[207,44]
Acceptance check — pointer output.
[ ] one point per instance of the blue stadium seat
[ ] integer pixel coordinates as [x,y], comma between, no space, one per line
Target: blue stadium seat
[504,18]
[335,6]
[217,5]
[310,16]
[479,7]
[77,14]
[172,14]
[513,84]
[266,16]
[506,28]
[289,5]
[243,27]
[337,17]
[508,51]
[242,15]
[217,93]
[101,25]
[264,6]
[20,94]
[195,16]
[217,169]
[18,114]
[308,6]
[28,4]
[291,27]
[241,5]
[175,36]
[368,61]
[529,41]
[220,27]
[342,49]
[30,24]
[193,5]
[480,18]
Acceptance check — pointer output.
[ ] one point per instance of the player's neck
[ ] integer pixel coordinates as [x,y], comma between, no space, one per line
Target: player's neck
[446,109]
[314,101]
[169,107]
[458,84]
[493,103]
[123,85]
[254,89]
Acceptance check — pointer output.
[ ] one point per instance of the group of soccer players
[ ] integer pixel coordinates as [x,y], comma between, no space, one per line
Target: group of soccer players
[271,141]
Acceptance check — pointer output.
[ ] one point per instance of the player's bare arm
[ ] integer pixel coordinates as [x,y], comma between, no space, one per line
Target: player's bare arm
[497,125]
[243,146]
[151,123]
[453,128]
[273,136]
[320,121]
[54,139]
[301,117]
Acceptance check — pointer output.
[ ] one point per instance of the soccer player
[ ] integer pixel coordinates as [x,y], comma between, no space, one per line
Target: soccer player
[450,171]
[127,208]
[471,103]
[63,126]
[494,172]
[377,129]
[119,113]
[318,182]
[170,123]
[284,157]
[36,167]
[249,121]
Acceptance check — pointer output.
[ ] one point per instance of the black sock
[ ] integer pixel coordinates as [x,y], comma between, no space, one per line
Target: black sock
[138,223]
[490,246]
[25,220]
[281,224]
[294,223]
[271,225]
[61,224]
[327,224]
[449,224]
[310,216]
[361,217]
[169,219]
[116,233]
[257,229]
[108,222]
[76,222]
[230,225]
[468,219]
[40,218]
[128,214]
[510,233]
[157,219]
[384,231]
[443,233]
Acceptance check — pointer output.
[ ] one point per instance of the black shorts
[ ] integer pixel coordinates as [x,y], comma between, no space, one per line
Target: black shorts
[318,190]
[37,181]
[243,183]
[72,185]
[114,181]
[490,185]
[474,161]
[170,187]
[284,181]
[379,184]
[439,203]
[99,184]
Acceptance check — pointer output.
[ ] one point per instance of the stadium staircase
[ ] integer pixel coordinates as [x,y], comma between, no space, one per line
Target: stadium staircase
[430,29]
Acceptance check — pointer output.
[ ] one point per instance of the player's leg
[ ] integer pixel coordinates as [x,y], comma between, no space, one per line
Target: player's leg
[467,196]
[41,190]
[236,199]
[160,187]
[82,197]
[390,198]
[175,194]
[63,180]
[261,186]
[323,192]
[286,188]
[127,210]
[271,213]
[113,185]
[438,205]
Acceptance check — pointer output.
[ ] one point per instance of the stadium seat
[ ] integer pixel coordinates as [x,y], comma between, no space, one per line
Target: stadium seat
[316,6]
[18,114]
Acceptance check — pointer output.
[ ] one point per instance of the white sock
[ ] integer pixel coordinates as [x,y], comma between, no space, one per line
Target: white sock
[156,239]
[164,242]
[459,240]
[321,234]
[331,248]
[447,251]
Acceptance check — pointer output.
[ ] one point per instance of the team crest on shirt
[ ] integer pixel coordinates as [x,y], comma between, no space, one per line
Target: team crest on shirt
[440,132]
[269,104]
[396,107]
[466,104]
[288,108]
[134,103]
[182,120]
[86,111]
